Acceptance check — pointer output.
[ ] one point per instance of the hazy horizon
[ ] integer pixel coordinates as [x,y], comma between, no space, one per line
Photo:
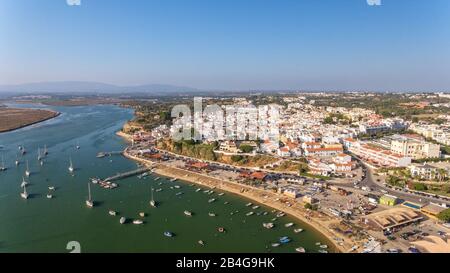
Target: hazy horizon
[402,45]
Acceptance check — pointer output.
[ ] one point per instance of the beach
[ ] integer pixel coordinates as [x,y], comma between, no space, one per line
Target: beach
[16,118]
[316,220]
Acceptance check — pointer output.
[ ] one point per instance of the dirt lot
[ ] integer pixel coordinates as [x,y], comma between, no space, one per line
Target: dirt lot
[15,118]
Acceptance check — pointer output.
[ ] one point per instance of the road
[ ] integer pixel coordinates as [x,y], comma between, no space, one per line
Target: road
[375,186]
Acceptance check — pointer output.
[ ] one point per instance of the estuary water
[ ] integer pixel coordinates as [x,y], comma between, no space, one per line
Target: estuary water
[39,224]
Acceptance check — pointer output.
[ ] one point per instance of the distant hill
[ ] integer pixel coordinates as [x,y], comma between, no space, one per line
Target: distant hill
[89,87]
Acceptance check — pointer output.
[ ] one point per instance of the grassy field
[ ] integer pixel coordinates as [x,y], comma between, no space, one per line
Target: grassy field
[15,118]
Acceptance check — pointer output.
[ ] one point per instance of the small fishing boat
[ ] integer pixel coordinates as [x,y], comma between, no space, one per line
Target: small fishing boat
[212,214]
[177,187]
[173,179]
[289,224]
[168,234]
[156,178]
[221,230]
[49,196]
[220,194]
[322,251]
[255,207]
[318,243]
[249,213]
[197,190]
[200,242]
[158,190]
[179,193]
[112,213]
[300,250]
[142,214]
[95,180]
[275,245]
[138,222]
[122,220]
[187,213]
[248,204]
[298,230]
[52,188]
[285,240]
[281,214]
[211,200]
[226,203]
[268,225]
[323,246]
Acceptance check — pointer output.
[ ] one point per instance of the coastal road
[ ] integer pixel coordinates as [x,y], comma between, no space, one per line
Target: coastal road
[370,182]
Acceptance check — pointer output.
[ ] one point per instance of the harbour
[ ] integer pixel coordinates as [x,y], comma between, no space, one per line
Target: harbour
[40,224]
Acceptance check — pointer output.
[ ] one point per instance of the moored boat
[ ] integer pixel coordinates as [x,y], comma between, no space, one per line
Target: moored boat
[187,213]
[300,250]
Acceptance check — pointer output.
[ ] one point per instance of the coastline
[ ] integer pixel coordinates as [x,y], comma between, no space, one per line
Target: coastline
[55,115]
[317,221]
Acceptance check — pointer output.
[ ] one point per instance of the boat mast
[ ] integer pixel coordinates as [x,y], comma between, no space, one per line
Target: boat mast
[89,191]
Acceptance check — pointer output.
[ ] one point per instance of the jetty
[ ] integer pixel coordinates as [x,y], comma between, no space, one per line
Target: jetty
[104,154]
[126,174]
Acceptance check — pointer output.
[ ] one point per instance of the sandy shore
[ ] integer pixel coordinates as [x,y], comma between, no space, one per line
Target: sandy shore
[22,122]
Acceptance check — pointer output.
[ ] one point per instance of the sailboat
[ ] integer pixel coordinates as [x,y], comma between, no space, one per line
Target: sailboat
[27,172]
[45,150]
[24,194]
[24,183]
[17,162]
[39,154]
[2,166]
[23,150]
[89,201]
[71,168]
[152,201]
[78,145]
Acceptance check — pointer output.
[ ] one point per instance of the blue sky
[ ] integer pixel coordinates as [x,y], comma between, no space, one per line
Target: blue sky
[229,44]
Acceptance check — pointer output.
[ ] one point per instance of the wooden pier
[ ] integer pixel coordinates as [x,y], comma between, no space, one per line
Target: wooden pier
[126,174]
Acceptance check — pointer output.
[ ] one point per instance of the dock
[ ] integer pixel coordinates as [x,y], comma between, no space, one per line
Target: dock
[104,154]
[126,174]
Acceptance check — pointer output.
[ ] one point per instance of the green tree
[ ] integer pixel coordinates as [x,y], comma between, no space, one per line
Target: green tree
[246,148]
[444,215]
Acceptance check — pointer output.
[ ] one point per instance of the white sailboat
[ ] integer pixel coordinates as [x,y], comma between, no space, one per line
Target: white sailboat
[27,171]
[24,183]
[24,194]
[17,162]
[152,201]
[2,166]
[89,201]
[71,168]
[39,154]
[45,150]
[78,145]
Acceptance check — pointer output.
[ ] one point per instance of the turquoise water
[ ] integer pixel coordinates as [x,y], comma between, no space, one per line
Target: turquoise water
[47,225]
